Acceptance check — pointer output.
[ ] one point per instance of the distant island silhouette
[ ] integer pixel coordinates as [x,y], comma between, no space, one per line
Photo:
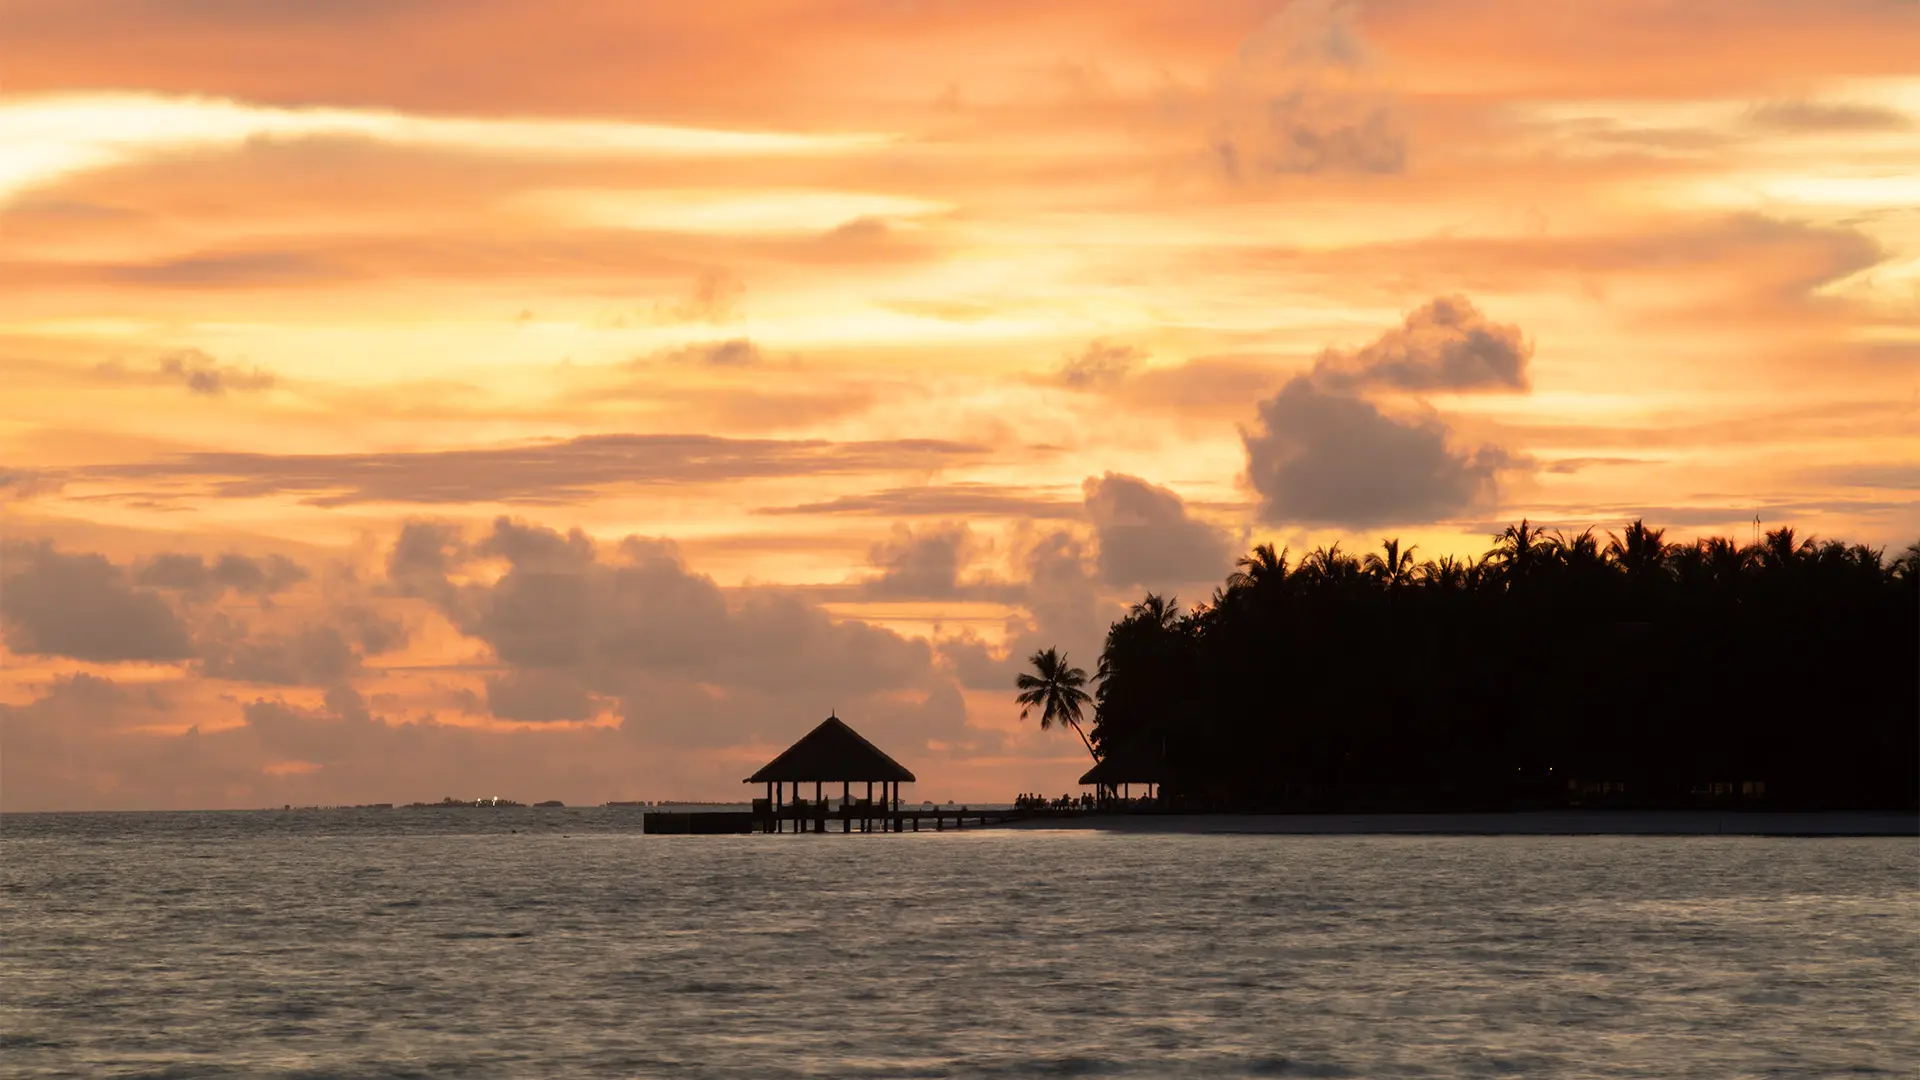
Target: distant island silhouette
[1558,670]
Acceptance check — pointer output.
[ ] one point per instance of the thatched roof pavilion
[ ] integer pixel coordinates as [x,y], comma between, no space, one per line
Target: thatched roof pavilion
[832,752]
[1139,760]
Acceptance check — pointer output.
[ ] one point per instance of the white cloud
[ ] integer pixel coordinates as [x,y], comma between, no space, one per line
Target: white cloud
[52,136]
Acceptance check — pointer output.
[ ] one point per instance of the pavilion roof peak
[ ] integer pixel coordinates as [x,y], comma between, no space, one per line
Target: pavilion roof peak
[831,751]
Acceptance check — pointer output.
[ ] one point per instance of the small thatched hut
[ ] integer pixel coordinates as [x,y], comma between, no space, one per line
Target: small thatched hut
[832,752]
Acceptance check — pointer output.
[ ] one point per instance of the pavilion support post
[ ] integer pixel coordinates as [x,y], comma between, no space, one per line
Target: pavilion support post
[846,810]
[866,822]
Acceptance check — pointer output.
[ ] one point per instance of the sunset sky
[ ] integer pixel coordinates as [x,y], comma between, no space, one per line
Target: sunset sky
[421,398]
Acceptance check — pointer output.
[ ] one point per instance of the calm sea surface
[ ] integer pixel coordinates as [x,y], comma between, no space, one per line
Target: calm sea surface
[562,943]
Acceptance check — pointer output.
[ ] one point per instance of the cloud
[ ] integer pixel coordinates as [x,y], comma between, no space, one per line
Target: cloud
[26,484]
[228,270]
[201,374]
[82,606]
[1146,538]
[1310,132]
[733,352]
[714,298]
[86,743]
[1063,608]
[736,352]
[1322,454]
[1889,477]
[372,632]
[1446,344]
[1320,458]
[1568,466]
[539,696]
[1102,364]
[1294,102]
[548,472]
[423,556]
[635,624]
[195,578]
[311,656]
[1207,386]
[923,565]
[81,132]
[1824,116]
[945,500]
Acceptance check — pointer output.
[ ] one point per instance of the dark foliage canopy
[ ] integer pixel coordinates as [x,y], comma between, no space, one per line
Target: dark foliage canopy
[1558,669]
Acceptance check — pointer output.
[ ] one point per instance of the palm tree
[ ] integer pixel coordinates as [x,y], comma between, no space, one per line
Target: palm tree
[1161,612]
[1327,565]
[1396,569]
[1263,567]
[1640,551]
[1519,549]
[1907,566]
[1055,688]
[1778,550]
[1725,560]
[1446,573]
[1578,551]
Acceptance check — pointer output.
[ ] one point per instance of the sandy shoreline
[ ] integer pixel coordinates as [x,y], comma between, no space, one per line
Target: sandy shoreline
[1541,823]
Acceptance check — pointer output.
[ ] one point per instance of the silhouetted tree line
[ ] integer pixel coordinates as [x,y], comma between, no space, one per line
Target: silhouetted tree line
[1556,670]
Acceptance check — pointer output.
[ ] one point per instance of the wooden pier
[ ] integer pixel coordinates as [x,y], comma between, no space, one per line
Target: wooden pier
[804,818]
[832,753]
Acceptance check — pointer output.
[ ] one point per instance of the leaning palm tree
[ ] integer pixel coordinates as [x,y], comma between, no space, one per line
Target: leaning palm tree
[1396,567]
[1055,688]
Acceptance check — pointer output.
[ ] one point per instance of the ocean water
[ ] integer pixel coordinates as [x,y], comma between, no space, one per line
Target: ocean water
[562,943]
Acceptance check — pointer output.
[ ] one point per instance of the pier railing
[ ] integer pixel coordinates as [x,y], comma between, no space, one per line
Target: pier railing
[815,818]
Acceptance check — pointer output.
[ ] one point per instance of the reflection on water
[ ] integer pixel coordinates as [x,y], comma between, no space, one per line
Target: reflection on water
[563,943]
